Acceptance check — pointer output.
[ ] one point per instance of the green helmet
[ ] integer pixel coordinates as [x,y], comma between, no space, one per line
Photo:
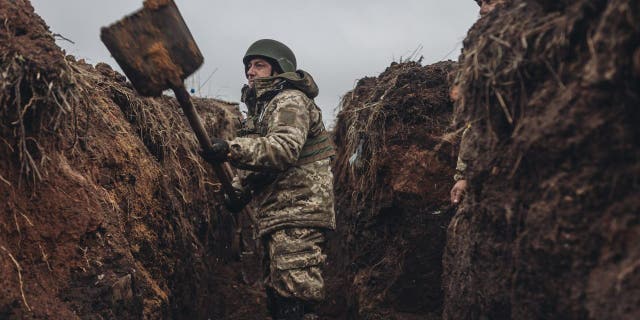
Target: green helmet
[274,50]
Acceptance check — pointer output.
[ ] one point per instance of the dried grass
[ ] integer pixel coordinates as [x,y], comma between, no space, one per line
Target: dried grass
[368,112]
[504,67]
[33,106]
[495,70]
[168,138]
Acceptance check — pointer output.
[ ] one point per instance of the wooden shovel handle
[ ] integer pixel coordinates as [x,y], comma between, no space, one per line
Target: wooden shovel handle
[205,143]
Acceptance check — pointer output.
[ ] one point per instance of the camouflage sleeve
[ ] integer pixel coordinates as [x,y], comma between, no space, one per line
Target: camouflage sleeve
[287,128]
[461,165]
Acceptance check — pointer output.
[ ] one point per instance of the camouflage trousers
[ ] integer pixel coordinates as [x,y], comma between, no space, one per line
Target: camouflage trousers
[293,263]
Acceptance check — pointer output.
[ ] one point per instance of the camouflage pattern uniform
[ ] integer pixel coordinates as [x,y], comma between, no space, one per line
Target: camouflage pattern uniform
[284,152]
[463,159]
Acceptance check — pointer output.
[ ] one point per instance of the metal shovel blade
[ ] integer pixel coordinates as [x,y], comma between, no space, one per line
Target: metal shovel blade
[154,47]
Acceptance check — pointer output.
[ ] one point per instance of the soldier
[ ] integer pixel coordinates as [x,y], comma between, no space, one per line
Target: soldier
[284,152]
[460,186]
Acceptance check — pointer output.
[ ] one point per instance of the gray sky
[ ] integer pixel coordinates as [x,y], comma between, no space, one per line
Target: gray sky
[336,41]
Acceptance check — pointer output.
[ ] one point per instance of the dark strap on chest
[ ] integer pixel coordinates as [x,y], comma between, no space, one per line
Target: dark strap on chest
[317,148]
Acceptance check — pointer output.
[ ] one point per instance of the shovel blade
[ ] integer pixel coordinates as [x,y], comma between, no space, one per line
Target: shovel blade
[154,47]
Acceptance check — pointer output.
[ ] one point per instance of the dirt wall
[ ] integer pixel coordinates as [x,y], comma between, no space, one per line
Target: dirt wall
[393,172]
[107,210]
[550,226]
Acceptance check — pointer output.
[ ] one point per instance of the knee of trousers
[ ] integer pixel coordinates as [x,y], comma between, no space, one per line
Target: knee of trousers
[295,264]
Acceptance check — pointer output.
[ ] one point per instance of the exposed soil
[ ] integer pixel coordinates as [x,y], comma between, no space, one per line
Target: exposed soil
[550,228]
[108,211]
[392,195]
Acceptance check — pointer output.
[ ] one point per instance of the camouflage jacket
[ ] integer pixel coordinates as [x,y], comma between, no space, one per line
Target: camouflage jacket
[285,153]
[463,156]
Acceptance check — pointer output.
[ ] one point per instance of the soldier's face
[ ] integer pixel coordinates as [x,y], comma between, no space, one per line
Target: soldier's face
[489,5]
[258,68]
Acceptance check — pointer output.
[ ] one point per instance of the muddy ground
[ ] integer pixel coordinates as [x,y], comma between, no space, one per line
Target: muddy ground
[109,213]
[393,172]
[550,227]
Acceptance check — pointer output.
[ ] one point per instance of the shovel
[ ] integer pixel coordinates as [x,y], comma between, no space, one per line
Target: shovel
[156,51]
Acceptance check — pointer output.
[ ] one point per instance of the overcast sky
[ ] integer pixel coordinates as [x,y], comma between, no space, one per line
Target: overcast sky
[336,41]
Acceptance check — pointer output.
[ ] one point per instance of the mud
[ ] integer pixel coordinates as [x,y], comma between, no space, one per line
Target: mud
[108,211]
[550,227]
[392,196]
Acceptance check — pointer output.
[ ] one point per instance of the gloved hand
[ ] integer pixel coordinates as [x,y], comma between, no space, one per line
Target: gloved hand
[242,198]
[219,151]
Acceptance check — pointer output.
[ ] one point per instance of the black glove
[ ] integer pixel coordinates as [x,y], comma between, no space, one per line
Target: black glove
[218,153]
[241,199]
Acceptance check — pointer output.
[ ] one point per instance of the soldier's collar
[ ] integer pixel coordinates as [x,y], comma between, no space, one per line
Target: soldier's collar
[263,86]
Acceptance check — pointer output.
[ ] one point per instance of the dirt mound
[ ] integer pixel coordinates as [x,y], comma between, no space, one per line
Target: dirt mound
[550,227]
[108,211]
[393,171]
